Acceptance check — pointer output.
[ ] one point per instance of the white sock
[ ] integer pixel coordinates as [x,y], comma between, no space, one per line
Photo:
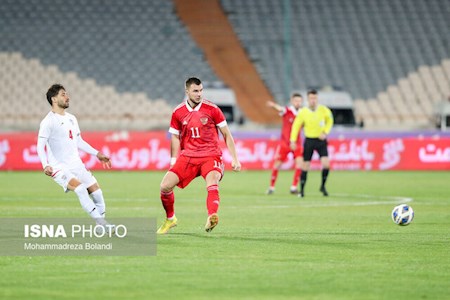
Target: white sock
[97,197]
[86,202]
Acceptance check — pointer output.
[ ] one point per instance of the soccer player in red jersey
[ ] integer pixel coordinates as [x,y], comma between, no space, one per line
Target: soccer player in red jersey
[195,152]
[288,113]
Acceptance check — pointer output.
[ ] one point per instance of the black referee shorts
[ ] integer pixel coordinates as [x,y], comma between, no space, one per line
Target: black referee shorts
[311,144]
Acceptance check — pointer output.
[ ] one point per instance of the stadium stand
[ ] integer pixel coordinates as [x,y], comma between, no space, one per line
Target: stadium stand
[23,83]
[367,47]
[391,55]
[213,33]
[137,47]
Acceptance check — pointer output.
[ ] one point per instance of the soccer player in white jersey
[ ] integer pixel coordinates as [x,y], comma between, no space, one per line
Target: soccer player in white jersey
[60,135]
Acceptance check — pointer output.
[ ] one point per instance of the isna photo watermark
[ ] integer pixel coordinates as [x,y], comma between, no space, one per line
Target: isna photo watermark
[77,237]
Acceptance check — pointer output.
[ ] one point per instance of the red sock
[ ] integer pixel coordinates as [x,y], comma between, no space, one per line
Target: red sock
[213,199]
[168,199]
[296,177]
[274,177]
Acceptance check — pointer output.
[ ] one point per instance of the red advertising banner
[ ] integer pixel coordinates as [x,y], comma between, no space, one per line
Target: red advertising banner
[151,151]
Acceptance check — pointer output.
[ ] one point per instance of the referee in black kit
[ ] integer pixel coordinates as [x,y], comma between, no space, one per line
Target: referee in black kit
[317,121]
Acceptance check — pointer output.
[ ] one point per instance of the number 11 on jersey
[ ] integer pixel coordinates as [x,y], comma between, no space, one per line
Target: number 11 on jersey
[195,132]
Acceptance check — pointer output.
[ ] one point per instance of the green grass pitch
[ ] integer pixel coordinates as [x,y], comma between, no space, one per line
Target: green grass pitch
[265,247]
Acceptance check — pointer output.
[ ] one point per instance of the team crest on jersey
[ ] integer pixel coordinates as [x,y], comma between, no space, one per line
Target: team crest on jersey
[204,120]
[71,121]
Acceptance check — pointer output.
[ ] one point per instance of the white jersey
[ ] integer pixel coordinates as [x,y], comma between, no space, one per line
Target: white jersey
[61,133]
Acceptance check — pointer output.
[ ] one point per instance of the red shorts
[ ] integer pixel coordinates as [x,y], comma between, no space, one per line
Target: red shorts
[283,150]
[188,168]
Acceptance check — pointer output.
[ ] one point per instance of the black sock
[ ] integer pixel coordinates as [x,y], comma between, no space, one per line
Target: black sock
[325,176]
[303,179]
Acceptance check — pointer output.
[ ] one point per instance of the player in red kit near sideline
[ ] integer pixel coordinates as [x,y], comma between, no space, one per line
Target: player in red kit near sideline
[195,152]
[288,113]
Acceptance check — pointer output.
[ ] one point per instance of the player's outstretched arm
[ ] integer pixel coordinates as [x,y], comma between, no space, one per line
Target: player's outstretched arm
[235,164]
[275,106]
[83,145]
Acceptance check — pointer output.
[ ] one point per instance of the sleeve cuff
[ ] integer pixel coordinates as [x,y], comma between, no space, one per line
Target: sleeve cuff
[222,124]
[174,131]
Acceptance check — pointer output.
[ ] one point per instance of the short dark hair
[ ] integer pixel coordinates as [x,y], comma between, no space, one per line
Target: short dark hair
[192,80]
[296,95]
[53,91]
[312,91]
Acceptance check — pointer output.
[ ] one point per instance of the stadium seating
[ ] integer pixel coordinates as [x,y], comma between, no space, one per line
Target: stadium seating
[133,56]
[366,47]
[135,45]
[24,82]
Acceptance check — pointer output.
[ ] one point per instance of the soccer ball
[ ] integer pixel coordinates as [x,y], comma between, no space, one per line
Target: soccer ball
[402,214]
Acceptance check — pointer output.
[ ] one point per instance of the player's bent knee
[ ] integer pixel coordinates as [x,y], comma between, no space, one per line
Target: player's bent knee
[166,186]
[277,164]
[73,184]
[169,181]
[93,188]
[213,177]
[165,190]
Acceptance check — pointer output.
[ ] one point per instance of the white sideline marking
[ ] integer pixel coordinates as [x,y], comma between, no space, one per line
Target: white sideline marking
[297,202]
[29,198]
[325,203]
[386,200]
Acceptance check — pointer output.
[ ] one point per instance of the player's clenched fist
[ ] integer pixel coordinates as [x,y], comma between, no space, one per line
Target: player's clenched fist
[48,171]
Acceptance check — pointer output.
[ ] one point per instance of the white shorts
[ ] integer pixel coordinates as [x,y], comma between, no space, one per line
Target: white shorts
[62,176]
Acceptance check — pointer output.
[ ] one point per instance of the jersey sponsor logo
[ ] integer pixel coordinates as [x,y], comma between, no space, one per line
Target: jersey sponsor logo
[185,122]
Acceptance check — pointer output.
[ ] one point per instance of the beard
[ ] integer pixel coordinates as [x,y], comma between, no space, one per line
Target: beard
[195,101]
[63,105]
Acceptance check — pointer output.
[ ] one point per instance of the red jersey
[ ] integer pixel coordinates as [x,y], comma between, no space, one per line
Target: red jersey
[198,128]
[288,114]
